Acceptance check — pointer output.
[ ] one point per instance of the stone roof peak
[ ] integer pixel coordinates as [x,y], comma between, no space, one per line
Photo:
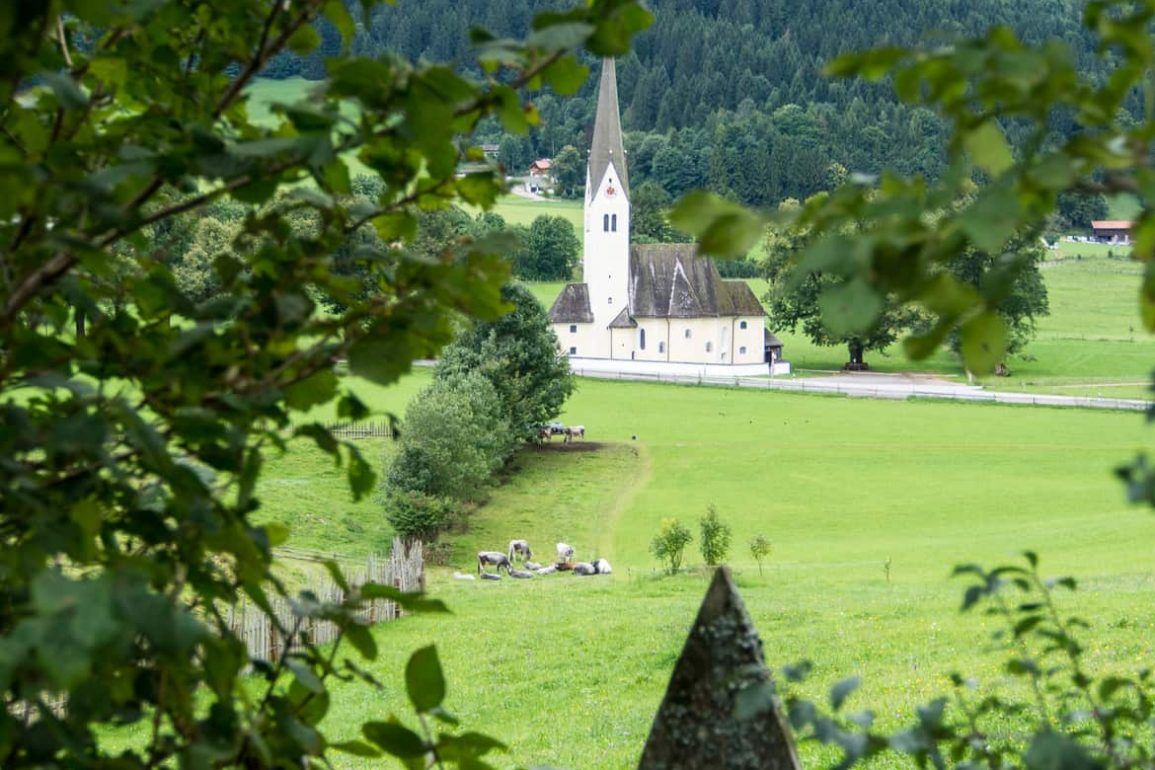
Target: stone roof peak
[607,148]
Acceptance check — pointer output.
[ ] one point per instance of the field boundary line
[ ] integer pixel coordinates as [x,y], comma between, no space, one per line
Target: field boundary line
[880,391]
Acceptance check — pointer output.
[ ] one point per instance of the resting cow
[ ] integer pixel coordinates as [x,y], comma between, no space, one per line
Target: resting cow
[603,567]
[584,568]
[564,552]
[520,573]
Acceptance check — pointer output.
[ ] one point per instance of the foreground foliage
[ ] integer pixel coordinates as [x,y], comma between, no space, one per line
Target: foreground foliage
[134,413]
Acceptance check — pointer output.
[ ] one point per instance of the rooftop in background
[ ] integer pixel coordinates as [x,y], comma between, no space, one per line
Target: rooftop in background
[1112,224]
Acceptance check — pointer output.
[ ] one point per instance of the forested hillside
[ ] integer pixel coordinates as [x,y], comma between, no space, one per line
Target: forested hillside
[728,94]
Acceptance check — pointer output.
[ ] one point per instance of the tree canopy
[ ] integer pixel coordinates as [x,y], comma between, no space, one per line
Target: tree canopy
[518,353]
[131,444]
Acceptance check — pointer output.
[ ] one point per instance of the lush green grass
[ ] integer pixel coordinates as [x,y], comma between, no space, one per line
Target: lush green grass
[570,670]
[522,211]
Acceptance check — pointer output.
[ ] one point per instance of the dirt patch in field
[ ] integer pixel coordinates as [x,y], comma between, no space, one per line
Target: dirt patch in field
[573,446]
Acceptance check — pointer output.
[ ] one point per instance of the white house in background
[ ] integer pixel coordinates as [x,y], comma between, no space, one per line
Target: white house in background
[657,308]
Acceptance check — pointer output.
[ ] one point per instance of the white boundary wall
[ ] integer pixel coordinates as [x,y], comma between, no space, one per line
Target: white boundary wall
[601,367]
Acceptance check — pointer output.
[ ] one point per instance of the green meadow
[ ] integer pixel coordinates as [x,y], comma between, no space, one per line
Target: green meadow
[570,670]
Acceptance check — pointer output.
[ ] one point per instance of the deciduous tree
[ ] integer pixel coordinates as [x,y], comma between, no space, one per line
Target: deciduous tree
[130,455]
[518,354]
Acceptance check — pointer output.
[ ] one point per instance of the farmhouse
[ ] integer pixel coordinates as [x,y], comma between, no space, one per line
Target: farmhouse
[654,307]
[1112,230]
[540,175]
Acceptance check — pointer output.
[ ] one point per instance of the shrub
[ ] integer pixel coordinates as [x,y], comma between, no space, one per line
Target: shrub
[760,548]
[670,544]
[418,516]
[453,438]
[716,534]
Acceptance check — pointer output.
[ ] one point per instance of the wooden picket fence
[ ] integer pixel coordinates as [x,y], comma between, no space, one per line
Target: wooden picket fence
[403,569]
[361,429]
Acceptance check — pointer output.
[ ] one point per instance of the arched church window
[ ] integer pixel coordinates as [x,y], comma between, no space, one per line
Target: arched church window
[709,347]
[610,301]
[605,223]
[661,347]
[642,339]
[741,324]
[614,223]
[742,350]
[687,334]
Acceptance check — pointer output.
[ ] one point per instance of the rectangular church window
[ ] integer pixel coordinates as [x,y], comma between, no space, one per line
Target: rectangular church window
[573,328]
[573,351]
[687,334]
[661,347]
[614,223]
[742,350]
[709,347]
[605,223]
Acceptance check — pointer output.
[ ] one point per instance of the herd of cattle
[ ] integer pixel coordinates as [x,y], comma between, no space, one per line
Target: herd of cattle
[519,550]
[567,432]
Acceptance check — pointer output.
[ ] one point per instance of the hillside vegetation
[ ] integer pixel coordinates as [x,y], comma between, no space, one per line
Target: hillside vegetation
[729,94]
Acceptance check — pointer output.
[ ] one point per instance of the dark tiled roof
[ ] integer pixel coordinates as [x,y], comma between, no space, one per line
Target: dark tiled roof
[669,280]
[742,299]
[572,306]
[607,147]
[623,320]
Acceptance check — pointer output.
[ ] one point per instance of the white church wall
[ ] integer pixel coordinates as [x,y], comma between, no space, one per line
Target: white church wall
[582,341]
[752,338]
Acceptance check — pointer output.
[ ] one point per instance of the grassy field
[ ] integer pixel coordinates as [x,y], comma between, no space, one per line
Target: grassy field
[569,671]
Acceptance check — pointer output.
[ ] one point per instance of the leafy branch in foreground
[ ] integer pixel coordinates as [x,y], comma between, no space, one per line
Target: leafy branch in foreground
[135,418]
[1063,716]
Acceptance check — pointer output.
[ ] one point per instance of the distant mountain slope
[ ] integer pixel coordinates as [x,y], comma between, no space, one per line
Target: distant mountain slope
[734,87]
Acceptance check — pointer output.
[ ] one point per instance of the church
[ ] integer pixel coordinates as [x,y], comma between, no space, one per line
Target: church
[650,308]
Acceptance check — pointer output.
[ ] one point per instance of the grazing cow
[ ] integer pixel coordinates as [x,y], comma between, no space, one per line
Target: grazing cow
[495,559]
[520,573]
[544,435]
[490,576]
[519,548]
[584,568]
[603,567]
[578,431]
[533,565]
[564,552]
[546,570]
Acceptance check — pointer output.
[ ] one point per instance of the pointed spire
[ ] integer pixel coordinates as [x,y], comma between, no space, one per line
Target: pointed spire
[607,148]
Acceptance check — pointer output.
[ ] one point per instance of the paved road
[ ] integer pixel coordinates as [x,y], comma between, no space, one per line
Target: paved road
[887,386]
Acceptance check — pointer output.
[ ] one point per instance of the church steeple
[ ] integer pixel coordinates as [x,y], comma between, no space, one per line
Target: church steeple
[607,149]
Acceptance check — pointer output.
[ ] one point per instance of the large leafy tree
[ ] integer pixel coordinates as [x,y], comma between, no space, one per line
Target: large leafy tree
[129,454]
[799,301]
[548,250]
[519,354]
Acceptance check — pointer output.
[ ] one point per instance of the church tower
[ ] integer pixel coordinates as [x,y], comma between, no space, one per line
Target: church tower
[606,257]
